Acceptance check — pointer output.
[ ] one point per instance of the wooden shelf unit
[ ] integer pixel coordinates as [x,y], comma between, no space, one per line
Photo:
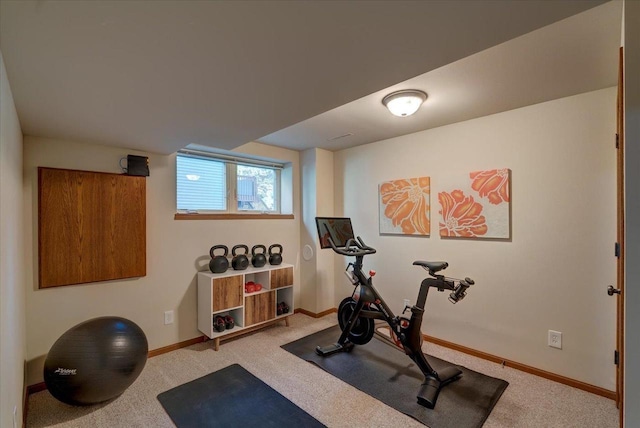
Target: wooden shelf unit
[223,294]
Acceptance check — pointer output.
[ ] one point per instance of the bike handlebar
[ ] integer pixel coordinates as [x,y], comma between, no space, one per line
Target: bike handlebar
[460,291]
[353,247]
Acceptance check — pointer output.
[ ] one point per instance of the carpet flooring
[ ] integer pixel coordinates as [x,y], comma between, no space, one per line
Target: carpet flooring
[528,402]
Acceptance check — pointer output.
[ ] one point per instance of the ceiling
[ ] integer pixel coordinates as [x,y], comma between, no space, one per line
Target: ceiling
[157,76]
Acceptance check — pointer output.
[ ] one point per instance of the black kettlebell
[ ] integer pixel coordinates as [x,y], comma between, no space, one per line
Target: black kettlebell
[275,258]
[240,261]
[219,263]
[258,259]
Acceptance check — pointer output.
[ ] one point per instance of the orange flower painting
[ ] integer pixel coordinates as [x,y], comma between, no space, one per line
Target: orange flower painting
[404,206]
[477,205]
[461,215]
[493,185]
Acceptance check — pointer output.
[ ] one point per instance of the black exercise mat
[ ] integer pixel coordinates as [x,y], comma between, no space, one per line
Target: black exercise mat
[387,374]
[232,397]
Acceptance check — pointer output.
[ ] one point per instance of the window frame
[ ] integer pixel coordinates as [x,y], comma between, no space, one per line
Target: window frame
[232,212]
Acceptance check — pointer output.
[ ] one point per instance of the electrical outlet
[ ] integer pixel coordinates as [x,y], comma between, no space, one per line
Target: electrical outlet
[168,317]
[555,339]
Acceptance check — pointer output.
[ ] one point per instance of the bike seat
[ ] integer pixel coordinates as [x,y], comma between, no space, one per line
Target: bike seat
[432,266]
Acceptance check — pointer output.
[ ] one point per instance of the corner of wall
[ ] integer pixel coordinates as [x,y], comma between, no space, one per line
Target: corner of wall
[13,302]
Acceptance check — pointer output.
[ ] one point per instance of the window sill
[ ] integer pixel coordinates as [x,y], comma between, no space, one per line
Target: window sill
[235,216]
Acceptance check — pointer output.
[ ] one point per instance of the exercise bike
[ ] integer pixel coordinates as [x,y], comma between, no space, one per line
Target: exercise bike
[356,314]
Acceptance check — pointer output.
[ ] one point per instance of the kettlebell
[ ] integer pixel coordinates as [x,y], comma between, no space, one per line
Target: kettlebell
[258,259]
[275,258]
[250,287]
[240,261]
[219,263]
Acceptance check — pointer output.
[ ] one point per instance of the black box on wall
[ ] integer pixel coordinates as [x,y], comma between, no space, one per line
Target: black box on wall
[138,165]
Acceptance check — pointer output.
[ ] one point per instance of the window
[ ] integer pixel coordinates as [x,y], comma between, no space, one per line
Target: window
[257,188]
[224,184]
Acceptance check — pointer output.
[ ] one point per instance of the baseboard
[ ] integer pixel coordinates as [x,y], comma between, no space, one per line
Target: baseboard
[36,387]
[176,346]
[525,368]
[515,365]
[315,315]
[25,395]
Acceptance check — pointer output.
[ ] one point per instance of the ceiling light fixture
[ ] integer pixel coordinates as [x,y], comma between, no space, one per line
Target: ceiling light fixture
[404,103]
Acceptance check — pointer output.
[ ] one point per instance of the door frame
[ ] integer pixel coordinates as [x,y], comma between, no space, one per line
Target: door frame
[620,239]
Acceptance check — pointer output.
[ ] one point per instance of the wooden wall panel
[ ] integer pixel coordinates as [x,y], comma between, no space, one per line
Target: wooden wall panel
[91,226]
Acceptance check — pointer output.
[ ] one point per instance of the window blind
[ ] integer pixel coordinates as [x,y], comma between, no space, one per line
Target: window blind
[201,184]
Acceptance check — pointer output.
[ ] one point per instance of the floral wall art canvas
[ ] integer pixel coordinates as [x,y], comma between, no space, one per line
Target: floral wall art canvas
[477,205]
[404,206]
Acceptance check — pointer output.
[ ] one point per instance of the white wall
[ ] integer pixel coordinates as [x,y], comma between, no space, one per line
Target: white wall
[552,274]
[317,200]
[176,250]
[12,263]
[308,268]
[325,286]
[632,200]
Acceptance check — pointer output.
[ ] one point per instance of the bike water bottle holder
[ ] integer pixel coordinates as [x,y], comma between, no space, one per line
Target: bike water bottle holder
[352,278]
[351,275]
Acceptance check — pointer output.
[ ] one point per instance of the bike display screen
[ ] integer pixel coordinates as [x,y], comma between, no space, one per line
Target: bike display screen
[337,228]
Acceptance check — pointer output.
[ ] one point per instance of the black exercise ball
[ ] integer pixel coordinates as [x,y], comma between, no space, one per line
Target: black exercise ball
[95,361]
